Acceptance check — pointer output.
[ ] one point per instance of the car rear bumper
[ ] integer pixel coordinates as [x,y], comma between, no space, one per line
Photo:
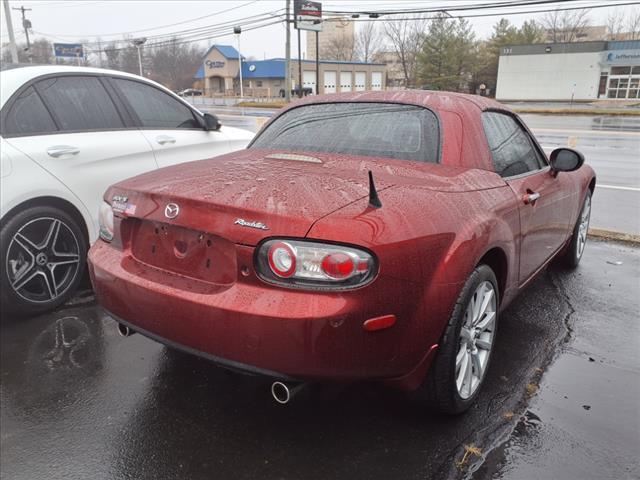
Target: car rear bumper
[252,326]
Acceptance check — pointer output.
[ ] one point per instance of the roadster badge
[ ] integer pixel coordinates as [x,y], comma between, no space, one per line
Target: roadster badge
[244,223]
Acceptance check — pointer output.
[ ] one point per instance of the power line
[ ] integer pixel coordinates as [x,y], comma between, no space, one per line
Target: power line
[184,40]
[498,14]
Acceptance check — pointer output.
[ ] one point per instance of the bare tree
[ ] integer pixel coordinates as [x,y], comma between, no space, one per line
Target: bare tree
[565,26]
[615,25]
[340,47]
[174,64]
[406,35]
[633,25]
[368,41]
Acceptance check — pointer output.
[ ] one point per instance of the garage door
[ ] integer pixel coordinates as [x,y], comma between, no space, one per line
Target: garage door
[361,81]
[376,80]
[345,81]
[329,82]
[309,81]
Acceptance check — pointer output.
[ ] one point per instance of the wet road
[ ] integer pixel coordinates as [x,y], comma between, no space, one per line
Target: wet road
[611,145]
[78,401]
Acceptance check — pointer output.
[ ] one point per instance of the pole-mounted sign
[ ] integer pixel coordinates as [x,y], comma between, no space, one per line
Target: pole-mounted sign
[308,15]
[69,50]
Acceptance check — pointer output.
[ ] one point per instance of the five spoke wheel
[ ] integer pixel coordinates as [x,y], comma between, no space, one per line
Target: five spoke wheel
[43,259]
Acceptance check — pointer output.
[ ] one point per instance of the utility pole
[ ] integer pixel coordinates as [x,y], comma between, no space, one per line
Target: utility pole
[12,39]
[287,63]
[26,24]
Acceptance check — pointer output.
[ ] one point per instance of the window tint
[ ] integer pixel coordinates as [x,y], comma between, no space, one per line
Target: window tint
[371,129]
[28,116]
[154,108]
[512,150]
[80,103]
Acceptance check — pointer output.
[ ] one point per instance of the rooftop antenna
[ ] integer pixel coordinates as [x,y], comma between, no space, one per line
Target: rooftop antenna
[374,200]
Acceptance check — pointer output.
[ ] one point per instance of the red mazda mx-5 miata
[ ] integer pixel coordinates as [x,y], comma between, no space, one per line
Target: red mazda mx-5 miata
[363,236]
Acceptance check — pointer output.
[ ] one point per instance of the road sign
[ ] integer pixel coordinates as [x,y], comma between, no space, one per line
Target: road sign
[308,15]
[71,50]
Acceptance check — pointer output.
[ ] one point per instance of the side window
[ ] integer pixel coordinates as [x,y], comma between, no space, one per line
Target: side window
[80,103]
[511,149]
[28,116]
[154,108]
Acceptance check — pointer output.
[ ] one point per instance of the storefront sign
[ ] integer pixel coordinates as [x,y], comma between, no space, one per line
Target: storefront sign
[621,57]
[308,15]
[212,64]
[70,50]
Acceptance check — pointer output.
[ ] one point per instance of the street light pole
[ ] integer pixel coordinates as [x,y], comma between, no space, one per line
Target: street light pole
[238,31]
[138,42]
[287,63]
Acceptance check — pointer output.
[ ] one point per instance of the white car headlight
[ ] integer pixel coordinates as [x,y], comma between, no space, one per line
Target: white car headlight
[105,219]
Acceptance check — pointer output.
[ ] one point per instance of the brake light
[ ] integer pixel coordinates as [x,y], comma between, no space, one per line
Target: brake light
[338,265]
[314,265]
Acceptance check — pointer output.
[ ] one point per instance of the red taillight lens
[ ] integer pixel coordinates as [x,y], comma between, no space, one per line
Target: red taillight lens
[282,259]
[314,265]
[338,265]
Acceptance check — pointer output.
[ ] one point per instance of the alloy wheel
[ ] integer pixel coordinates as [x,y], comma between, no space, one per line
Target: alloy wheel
[476,340]
[43,259]
[583,226]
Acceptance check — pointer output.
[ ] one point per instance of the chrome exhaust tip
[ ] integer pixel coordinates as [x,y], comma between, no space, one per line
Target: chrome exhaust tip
[283,393]
[125,331]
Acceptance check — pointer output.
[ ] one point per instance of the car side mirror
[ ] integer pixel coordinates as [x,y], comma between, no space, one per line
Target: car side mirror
[211,122]
[566,160]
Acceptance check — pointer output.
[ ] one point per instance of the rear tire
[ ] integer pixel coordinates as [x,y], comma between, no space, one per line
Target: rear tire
[43,254]
[573,254]
[460,367]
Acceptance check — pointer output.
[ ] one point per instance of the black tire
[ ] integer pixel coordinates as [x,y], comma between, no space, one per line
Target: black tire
[572,255]
[60,261]
[439,389]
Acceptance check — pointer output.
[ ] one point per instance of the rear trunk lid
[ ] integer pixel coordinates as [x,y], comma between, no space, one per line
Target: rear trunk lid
[245,196]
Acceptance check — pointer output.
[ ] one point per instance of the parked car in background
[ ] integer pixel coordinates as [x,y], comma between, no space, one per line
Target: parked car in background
[190,92]
[368,236]
[67,133]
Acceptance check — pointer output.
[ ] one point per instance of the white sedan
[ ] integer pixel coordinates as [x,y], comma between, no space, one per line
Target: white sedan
[67,133]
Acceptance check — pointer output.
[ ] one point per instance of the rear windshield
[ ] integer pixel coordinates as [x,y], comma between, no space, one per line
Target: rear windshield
[389,130]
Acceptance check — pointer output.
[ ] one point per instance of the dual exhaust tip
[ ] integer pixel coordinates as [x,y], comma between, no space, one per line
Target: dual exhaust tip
[125,331]
[283,393]
[280,391]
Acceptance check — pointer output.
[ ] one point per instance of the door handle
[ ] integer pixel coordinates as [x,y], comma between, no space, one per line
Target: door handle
[162,139]
[530,197]
[59,150]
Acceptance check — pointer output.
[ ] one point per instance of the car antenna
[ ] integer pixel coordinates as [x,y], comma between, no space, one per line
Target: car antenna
[374,200]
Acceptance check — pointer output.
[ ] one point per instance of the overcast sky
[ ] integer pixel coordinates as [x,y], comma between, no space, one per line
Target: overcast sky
[74,20]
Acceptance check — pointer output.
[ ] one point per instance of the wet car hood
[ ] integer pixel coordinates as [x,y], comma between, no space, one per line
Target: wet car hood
[251,194]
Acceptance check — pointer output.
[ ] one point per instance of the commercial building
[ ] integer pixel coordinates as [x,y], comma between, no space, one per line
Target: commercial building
[395,72]
[570,71]
[219,75]
[337,35]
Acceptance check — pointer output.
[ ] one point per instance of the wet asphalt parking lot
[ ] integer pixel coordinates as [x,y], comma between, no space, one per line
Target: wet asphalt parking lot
[561,400]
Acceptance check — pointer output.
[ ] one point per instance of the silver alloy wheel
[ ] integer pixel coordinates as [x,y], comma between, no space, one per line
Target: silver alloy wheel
[476,340]
[583,227]
[43,259]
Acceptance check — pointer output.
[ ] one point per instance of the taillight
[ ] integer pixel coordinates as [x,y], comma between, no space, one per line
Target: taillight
[282,259]
[314,265]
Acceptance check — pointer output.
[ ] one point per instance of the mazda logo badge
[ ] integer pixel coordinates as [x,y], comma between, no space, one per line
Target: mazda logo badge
[171,210]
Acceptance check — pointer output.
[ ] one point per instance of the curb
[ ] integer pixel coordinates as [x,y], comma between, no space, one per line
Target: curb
[614,236]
